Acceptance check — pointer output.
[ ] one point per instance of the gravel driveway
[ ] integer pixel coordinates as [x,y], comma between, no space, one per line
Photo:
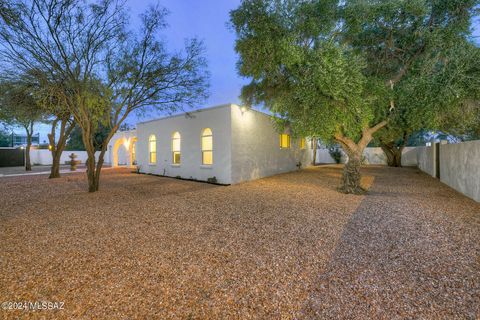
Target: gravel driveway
[283,247]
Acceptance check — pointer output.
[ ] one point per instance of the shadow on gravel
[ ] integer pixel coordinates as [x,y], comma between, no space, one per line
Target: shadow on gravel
[404,254]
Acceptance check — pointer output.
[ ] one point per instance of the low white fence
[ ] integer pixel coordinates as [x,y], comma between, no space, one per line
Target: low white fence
[44,157]
[373,156]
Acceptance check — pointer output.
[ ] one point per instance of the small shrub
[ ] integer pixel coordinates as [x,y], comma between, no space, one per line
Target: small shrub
[335,153]
[178,177]
[212,180]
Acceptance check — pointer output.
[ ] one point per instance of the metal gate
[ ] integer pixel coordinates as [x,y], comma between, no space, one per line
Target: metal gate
[12,157]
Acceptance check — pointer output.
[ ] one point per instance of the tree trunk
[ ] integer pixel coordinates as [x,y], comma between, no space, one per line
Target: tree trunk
[55,170]
[94,168]
[314,147]
[393,153]
[57,149]
[351,172]
[91,176]
[28,164]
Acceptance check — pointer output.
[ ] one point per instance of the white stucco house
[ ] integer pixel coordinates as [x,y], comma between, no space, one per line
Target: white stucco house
[227,144]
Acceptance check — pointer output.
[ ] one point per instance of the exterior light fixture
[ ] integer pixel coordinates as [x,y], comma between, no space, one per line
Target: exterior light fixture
[50,147]
[243,109]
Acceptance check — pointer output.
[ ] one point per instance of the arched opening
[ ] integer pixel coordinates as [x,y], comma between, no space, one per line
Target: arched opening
[123,152]
[122,155]
[207,146]
[176,143]
[152,149]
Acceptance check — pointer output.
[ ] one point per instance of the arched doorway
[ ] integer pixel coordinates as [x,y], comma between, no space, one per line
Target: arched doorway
[124,152]
[122,155]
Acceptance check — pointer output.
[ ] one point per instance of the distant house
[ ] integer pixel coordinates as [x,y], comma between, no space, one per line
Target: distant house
[227,144]
[20,140]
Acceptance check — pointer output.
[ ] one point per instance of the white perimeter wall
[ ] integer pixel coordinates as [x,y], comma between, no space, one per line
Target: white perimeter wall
[256,151]
[190,129]
[44,156]
[372,156]
[426,160]
[460,167]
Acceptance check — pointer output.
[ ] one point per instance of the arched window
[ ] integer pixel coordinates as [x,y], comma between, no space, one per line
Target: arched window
[152,149]
[207,146]
[176,148]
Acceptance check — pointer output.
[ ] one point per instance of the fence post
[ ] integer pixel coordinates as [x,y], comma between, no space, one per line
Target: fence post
[433,151]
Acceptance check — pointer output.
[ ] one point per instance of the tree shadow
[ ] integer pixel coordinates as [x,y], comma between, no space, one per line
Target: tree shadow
[401,256]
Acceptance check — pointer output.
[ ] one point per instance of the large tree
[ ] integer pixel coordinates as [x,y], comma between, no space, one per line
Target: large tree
[75,142]
[19,108]
[5,136]
[332,69]
[110,70]
[51,95]
[440,96]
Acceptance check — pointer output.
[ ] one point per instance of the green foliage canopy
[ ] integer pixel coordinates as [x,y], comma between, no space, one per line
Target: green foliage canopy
[301,71]
[328,66]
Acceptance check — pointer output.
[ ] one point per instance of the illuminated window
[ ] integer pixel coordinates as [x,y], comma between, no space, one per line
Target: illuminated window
[302,143]
[207,146]
[134,151]
[176,148]
[152,149]
[284,141]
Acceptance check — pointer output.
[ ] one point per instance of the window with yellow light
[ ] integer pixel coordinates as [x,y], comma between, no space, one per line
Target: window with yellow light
[152,149]
[176,148]
[284,141]
[207,146]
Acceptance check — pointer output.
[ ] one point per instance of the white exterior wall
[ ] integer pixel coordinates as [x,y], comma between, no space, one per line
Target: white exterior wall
[460,167]
[190,128]
[256,152]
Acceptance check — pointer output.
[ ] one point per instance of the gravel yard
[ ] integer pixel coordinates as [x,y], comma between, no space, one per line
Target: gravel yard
[283,247]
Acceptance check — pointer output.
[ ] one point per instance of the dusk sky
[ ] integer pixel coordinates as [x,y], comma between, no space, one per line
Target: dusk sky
[207,20]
